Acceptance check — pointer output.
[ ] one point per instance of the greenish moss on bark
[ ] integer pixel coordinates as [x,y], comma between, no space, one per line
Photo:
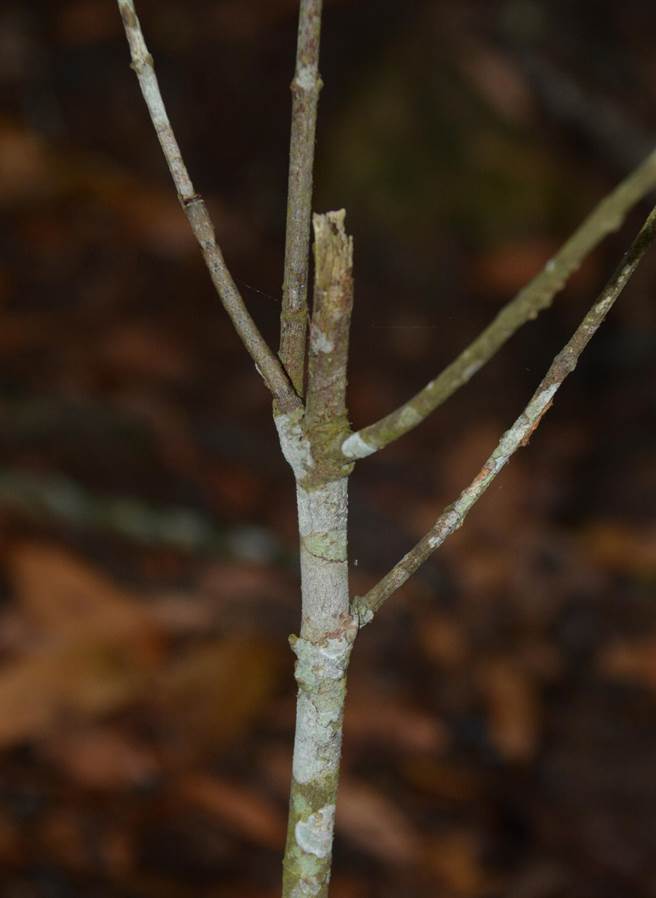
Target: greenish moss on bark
[321,676]
[326,439]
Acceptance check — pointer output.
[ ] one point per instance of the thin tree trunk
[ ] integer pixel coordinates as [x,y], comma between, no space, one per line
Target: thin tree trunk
[327,627]
[322,653]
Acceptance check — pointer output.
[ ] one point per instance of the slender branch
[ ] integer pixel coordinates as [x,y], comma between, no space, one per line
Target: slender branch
[529,302]
[305,87]
[199,218]
[518,435]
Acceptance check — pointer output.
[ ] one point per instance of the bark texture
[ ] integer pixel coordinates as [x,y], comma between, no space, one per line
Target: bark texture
[305,87]
[311,443]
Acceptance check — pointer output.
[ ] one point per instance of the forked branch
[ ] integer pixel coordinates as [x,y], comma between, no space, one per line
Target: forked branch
[518,435]
[199,218]
[529,302]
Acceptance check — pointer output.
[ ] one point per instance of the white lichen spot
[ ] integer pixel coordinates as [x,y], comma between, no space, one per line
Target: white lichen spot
[325,661]
[315,835]
[320,342]
[433,541]
[542,400]
[355,447]
[471,370]
[550,266]
[622,278]
[453,521]
[509,443]
[307,888]
[320,672]
[310,742]
[522,427]
[294,444]
[305,77]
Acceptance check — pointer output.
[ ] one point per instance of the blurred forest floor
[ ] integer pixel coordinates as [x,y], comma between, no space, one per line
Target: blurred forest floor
[501,725]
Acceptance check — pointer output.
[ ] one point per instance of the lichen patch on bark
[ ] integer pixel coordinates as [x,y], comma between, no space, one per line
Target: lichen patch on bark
[294,443]
[315,834]
[354,446]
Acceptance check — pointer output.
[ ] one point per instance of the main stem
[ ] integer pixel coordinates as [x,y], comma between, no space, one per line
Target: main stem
[310,441]
[322,652]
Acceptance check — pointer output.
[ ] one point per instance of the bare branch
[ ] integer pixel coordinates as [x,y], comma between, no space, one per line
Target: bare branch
[519,434]
[305,93]
[529,302]
[199,218]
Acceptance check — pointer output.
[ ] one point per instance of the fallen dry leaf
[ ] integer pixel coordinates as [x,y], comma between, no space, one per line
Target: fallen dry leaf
[498,79]
[621,548]
[140,351]
[86,21]
[62,596]
[102,757]
[455,858]
[513,708]
[443,781]
[248,813]
[25,167]
[507,267]
[10,842]
[97,649]
[391,723]
[372,822]
[69,682]
[63,840]
[443,640]
[631,660]
[211,695]
[348,887]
